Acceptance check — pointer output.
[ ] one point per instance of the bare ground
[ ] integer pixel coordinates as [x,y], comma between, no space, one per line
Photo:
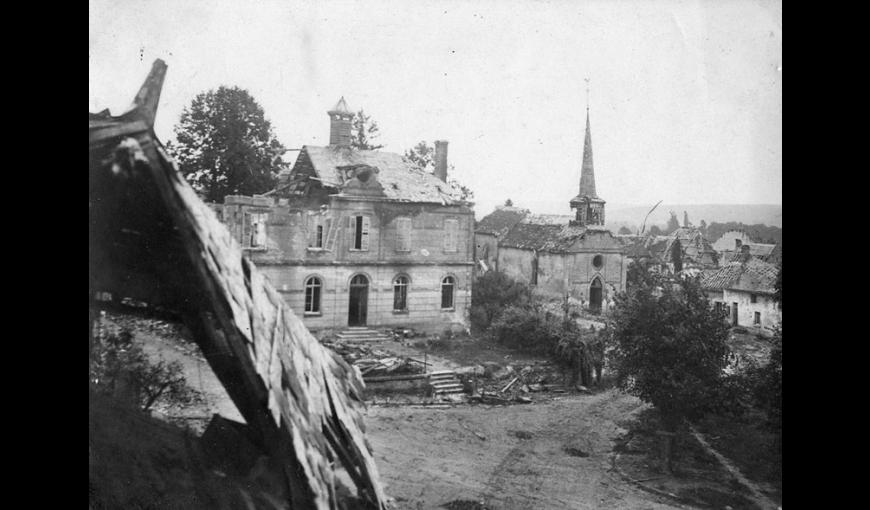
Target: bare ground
[549,455]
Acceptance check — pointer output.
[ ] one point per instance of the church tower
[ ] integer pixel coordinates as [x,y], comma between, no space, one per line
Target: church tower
[589,208]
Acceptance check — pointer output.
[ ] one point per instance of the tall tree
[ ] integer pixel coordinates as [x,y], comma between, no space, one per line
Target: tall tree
[686,219]
[225,145]
[669,348]
[677,255]
[364,132]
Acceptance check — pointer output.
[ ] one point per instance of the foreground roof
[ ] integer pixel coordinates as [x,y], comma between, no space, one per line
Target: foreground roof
[400,179]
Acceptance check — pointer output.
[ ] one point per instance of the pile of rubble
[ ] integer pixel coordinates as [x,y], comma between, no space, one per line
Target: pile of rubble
[493,384]
[375,362]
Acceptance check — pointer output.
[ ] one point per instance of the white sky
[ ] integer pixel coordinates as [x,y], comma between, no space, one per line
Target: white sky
[686,96]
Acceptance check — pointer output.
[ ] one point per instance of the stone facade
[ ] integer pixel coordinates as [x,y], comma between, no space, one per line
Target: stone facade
[361,238]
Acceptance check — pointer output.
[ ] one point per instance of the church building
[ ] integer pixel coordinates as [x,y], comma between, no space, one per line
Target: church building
[558,254]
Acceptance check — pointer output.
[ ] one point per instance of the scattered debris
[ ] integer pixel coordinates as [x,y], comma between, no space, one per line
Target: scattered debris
[515,379]
[465,504]
[521,434]
[575,452]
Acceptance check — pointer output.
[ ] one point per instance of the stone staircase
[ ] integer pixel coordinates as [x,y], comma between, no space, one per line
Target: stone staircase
[445,383]
[362,334]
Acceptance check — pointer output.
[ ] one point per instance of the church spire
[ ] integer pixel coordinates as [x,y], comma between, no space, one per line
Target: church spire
[587,172]
[589,208]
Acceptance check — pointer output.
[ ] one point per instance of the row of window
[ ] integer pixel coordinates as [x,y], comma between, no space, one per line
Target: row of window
[401,283]
[323,236]
[721,307]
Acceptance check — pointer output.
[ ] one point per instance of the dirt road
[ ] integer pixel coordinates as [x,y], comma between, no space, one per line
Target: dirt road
[550,455]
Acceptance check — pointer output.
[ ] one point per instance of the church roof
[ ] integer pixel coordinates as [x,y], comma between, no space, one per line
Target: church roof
[401,181]
[500,221]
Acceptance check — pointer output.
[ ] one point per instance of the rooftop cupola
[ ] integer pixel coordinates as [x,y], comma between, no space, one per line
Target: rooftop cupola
[340,119]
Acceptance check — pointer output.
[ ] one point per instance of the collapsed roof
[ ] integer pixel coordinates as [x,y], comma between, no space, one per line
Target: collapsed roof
[153,240]
[751,275]
[401,181]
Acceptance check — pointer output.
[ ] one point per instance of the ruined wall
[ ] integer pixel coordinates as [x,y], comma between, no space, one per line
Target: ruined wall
[288,256]
[572,272]
[486,249]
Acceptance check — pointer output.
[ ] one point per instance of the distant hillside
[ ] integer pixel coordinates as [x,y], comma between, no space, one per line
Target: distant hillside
[750,214]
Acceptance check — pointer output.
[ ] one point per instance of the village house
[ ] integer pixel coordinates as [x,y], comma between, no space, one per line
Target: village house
[558,255]
[731,245]
[744,291]
[355,238]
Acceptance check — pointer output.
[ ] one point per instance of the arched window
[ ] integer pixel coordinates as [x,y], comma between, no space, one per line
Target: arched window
[447,285]
[312,295]
[400,294]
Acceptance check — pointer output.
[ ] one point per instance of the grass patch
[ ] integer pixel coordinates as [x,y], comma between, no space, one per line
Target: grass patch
[749,445]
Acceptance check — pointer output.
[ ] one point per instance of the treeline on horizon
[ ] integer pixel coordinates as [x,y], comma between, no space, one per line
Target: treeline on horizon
[759,232]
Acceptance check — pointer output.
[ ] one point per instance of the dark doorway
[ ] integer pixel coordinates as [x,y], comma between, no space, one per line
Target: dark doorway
[359,300]
[595,294]
[734,314]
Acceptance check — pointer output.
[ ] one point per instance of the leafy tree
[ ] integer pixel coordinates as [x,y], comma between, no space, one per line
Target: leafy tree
[224,145]
[673,224]
[364,132]
[120,368]
[508,203]
[422,156]
[494,291]
[656,231]
[669,349]
[624,230]
[703,228]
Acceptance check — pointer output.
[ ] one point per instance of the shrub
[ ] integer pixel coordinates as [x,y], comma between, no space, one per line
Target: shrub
[493,293]
[120,368]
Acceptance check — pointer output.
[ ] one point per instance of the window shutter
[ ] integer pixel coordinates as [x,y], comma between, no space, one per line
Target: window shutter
[450,227]
[365,233]
[246,230]
[403,234]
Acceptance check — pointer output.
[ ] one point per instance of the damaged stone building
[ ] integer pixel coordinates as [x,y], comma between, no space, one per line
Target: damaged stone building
[558,255]
[744,290]
[361,238]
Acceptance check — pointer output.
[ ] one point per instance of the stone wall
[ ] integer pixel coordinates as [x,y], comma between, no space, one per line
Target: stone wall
[424,311]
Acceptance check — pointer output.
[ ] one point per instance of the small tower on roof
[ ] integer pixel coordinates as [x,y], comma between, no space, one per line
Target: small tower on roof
[589,209]
[340,119]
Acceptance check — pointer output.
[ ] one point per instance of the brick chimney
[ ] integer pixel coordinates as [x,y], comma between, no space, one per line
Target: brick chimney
[340,118]
[441,159]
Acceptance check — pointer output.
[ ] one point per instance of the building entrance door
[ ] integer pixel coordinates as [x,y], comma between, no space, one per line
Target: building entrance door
[595,295]
[734,314]
[359,300]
